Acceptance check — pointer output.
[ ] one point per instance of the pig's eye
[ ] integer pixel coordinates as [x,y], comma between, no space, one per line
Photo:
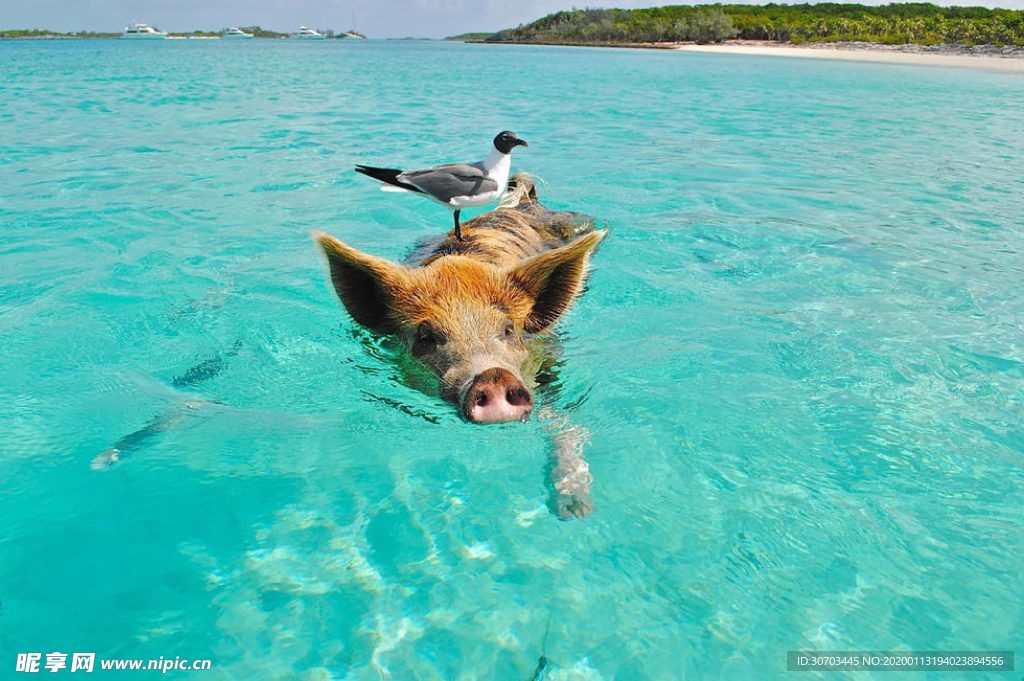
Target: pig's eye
[510,330]
[426,339]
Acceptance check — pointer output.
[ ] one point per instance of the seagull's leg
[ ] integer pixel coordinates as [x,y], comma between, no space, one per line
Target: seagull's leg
[458,227]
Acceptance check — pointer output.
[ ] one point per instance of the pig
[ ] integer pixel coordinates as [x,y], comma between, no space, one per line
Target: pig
[474,312]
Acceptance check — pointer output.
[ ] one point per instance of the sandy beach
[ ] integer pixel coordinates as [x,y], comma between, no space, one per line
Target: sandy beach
[864,53]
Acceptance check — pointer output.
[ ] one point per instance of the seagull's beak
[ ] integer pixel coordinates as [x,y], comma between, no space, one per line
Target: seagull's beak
[521,143]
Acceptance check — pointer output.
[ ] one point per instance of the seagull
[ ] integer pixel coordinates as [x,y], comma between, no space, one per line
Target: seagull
[456,185]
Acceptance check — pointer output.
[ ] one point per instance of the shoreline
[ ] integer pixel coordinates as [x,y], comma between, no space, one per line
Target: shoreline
[989,59]
[986,57]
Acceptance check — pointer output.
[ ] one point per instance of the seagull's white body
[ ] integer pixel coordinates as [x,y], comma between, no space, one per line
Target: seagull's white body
[497,165]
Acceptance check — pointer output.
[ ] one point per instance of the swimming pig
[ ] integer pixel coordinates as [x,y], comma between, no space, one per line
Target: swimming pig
[469,310]
[474,312]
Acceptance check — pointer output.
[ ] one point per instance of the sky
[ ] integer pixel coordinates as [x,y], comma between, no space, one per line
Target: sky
[375,18]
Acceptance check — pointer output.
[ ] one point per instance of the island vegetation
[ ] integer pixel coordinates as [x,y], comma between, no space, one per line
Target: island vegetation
[15,33]
[904,23]
[471,37]
[195,34]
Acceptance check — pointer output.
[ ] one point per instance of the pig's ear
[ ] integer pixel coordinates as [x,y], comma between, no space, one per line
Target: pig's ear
[553,279]
[368,286]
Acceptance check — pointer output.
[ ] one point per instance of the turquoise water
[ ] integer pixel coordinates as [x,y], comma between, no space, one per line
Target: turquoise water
[800,361]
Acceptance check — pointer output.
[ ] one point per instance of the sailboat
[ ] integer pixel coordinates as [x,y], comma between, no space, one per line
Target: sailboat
[352,32]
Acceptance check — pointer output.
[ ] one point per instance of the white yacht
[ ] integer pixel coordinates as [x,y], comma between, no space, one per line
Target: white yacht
[237,34]
[308,34]
[354,35]
[139,31]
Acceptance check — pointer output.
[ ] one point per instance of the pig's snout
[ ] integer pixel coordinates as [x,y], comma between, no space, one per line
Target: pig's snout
[496,396]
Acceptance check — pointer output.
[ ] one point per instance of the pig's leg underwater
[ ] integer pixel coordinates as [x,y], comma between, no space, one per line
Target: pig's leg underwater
[569,472]
[201,372]
[134,441]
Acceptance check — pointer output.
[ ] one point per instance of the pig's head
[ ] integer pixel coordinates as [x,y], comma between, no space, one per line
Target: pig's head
[467,321]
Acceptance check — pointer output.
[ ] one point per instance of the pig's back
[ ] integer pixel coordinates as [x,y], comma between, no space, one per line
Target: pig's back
[504,236]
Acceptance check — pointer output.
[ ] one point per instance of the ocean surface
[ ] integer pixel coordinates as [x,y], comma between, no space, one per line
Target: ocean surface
[800,362]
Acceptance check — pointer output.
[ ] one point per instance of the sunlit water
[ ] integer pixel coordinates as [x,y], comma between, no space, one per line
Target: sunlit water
[800,361]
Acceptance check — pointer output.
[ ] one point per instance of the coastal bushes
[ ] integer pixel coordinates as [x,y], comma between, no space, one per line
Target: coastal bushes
[706,26]
[616,25]
[919,23]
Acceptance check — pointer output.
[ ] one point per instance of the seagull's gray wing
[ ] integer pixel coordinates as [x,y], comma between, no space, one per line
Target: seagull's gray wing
[448,181]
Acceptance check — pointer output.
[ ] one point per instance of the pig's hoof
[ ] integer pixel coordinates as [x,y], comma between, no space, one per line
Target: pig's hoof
[105,460]
[578,506]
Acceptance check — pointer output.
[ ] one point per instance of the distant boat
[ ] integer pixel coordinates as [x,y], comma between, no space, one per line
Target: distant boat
[308,34]
[237,34]
[139,31]
[352,32]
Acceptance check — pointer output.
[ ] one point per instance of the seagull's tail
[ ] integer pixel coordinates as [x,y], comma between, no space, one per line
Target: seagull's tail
[389,176]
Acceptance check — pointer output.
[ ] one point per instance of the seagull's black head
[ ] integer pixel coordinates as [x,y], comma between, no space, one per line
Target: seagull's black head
[506,141]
